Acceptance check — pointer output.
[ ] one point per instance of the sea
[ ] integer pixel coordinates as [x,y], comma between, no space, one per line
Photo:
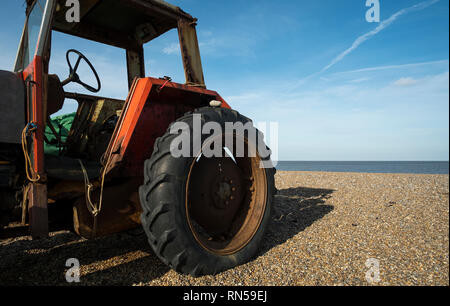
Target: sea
[417,167]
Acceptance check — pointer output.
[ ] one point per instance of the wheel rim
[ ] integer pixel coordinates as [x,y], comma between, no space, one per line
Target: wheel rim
[225,201]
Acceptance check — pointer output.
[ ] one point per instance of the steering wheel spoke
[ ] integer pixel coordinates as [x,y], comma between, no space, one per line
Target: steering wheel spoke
[76,65]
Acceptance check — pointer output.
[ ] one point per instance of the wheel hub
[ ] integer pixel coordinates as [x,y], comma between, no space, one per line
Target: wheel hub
[223,192]
[216,193]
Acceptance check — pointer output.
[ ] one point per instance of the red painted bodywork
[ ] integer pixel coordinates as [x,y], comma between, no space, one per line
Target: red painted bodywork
[37,196]
[33,76]
[147,113]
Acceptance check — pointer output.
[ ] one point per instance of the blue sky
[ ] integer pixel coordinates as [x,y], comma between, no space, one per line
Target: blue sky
[385,98]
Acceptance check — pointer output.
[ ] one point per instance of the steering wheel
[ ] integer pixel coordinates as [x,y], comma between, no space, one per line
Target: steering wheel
[73,76]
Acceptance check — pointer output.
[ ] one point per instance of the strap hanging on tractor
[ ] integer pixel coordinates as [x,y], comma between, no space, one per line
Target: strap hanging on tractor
[30,128]
[168,79]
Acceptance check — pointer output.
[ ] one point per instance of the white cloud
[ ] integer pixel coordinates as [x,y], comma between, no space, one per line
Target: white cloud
[206,33]
[173,48]
[405,82]
[395,72]
[345,121]
[359,80]
[235,44]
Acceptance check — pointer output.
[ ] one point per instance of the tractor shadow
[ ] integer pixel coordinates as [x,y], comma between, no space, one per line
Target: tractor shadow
[120,259]
[126,258]
[295,209]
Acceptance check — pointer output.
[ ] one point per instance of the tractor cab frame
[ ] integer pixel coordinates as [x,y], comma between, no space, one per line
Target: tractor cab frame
[152,104]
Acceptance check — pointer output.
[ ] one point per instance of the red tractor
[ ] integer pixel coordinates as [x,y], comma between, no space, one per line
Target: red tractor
[115,169]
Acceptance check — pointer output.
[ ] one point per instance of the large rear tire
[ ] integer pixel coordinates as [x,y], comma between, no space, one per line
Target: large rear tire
[206,215]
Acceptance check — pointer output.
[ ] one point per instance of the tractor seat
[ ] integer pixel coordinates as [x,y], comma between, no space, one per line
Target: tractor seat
[66,168]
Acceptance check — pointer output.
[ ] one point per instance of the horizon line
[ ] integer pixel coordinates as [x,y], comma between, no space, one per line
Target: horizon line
[441,161]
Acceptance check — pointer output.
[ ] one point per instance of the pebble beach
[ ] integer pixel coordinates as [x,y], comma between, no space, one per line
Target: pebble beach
[327,229]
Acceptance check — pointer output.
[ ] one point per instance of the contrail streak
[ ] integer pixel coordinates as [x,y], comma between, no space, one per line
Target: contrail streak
[379,28]
[393,67]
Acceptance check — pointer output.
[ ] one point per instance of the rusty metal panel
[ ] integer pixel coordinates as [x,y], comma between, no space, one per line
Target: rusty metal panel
[121,23]
[147,113]
[135,65]
[190,53]
[37,210]
[121,211]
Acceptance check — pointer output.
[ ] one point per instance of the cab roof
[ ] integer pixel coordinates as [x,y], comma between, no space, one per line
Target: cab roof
[126,24]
